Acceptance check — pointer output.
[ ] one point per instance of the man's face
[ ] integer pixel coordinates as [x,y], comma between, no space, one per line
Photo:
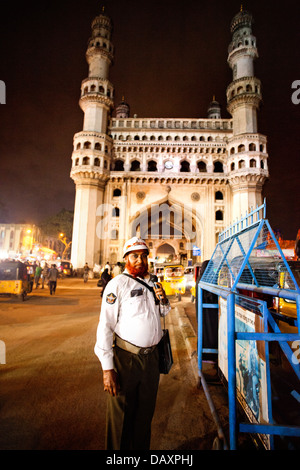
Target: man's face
[137,262]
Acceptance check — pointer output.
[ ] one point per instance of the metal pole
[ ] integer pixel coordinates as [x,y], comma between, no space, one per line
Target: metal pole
[200,326]
[231,371]
[213,411]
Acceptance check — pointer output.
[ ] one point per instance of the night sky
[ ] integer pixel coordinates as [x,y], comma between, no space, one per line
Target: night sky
[170,60]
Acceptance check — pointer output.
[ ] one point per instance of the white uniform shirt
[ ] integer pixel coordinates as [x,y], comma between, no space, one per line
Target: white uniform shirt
[128,309]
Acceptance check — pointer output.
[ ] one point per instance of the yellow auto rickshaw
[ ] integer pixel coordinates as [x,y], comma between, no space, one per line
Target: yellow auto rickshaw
[14,279]
[172,279]
[287,309]
[66,268]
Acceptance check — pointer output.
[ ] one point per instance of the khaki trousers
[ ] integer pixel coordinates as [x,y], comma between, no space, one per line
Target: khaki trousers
[130,413]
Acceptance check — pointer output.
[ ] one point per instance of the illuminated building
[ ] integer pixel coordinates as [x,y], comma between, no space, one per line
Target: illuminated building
[175,182]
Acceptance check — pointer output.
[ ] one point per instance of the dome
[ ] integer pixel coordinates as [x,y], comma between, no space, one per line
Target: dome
[242,18]
[214,110]
[122,110]
[102,25]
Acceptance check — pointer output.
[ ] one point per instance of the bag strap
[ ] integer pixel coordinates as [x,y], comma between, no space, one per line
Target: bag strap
[150,288]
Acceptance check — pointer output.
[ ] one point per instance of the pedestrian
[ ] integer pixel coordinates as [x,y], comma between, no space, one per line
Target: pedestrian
[105,278]
[86,270]
[107,266]
[44,274]
[128,332]
[52,278]
[37,275]
[117,269]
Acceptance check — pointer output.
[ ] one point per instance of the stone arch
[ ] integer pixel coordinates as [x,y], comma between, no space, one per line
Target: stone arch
[168,221]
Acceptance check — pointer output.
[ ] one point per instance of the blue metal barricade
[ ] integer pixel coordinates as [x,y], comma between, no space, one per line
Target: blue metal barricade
[238,271]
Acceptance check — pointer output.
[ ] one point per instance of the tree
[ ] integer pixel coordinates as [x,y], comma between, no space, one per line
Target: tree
[60,223]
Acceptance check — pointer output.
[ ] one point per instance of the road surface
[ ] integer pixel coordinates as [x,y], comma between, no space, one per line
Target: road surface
[51,394]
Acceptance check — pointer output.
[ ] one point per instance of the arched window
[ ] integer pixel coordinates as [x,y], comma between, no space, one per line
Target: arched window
[87,145]
[218,196]
[152,166]
[252,147]
[116,212]
[185,166]
[78,146]
[241,148]
[85,161]
[202,167]
[242,164]
[119,165]
[97,146]
[77,162]
[96,162]
[232,151]
[262,165]
[252,163]
[114,234]
[232,166]
[218,167]
[117,192]
[135,165]
[219,215]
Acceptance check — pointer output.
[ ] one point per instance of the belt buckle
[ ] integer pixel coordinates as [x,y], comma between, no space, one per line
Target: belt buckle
[147,350]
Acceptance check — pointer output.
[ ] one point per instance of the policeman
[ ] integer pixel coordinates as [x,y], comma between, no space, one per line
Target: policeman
[128,332]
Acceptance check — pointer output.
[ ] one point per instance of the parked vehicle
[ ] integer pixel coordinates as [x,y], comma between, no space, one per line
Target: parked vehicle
[66,268]
[172,278]
[14,279]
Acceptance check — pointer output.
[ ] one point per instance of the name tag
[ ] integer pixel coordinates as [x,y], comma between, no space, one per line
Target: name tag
[136,292]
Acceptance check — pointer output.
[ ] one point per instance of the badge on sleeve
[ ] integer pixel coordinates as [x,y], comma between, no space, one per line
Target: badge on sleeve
[111,298]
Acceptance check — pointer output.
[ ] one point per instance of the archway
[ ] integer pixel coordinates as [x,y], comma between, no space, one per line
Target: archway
[165,253]
[172,224]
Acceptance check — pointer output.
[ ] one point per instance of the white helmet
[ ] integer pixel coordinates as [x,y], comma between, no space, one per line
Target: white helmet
[134,244]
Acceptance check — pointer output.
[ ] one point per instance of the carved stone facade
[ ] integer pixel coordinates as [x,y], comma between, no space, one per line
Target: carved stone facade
[175,182]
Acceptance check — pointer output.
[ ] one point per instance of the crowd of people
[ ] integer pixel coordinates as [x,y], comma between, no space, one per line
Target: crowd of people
[44,274]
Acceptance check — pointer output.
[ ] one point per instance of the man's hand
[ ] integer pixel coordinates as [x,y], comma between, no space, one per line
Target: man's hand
[160,293]
[110,382]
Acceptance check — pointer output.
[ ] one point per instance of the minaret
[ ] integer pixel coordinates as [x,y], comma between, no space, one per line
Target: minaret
[247,153]
[91,158]
[122,110]
[214,110]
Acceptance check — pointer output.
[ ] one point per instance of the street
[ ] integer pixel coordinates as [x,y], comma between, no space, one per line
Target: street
[51,393]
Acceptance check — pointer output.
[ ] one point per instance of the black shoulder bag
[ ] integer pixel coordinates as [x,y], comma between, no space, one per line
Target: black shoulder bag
[164,346]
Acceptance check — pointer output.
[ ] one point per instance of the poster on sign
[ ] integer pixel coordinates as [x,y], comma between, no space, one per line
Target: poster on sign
[251,373]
